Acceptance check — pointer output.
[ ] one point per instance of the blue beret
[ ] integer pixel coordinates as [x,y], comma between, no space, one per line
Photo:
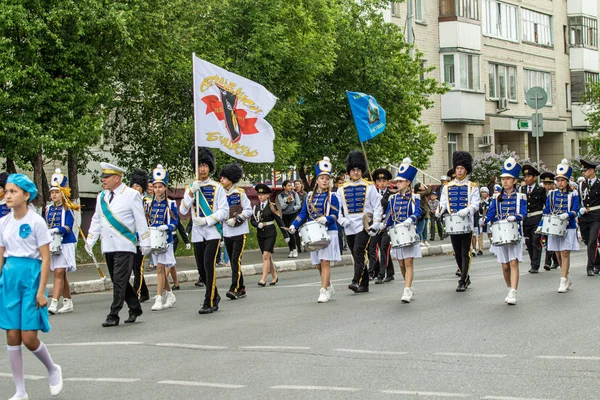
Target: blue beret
[24,183]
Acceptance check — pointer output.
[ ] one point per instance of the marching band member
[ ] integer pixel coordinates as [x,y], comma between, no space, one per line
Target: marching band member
[264,216]
[484,205]
[236,226]
[536,200]
[551,260]
[589,214]
[60,221]
[322,205]
[509,205]
[4,210]
[138,180]
[24,267]
[383,264]
[404,208]
[119,215]
[206,199]
[360,202]
[163,216]
[461,197]
[563,203]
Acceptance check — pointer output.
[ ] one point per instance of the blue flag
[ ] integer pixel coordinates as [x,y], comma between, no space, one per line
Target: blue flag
[369,117]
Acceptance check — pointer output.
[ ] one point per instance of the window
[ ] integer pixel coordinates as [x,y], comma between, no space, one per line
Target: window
[500,20]
[419,10]
[468,67]
[568,95]
[449,69]
[395,9]
[592,78]
[460,8]
[541,79]
[502,82]
[452,146]
[536,27]
[471,143]
[583,32]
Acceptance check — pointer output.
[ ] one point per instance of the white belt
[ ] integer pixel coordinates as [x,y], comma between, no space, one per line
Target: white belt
[268,223]
[594,208]
[535,213]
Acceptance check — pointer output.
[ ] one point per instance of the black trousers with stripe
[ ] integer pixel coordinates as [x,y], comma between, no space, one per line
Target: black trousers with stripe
[533,241]
[359,245]
[235,247]
[461,244]
[386,265]
[205,253]
[120,264]
[139,283]
[590,233]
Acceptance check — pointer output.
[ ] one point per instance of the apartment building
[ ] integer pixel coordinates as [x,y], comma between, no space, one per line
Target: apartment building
[490,52]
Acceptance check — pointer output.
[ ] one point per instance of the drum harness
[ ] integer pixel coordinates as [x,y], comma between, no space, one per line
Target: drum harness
[312,209]
[499,205]
[396,216]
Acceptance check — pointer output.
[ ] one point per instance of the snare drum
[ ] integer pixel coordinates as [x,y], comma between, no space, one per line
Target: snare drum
[554,226]
[403,236]
[505,233]
[56,244]
[455,225]
[314,236]
[159,241]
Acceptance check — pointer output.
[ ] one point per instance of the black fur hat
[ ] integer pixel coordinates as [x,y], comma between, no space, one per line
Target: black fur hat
[140,177]
[205,156]
[463,159]
[356,159]
[450,174]
[233,172]
[3,178]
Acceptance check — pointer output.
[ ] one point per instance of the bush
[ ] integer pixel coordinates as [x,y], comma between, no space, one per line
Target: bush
[489,165]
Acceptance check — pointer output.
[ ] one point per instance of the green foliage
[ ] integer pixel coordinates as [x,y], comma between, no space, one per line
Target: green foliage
[591,98]
[488,166]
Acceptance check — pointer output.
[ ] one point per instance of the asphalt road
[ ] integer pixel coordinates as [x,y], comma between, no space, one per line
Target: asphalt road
[279,343]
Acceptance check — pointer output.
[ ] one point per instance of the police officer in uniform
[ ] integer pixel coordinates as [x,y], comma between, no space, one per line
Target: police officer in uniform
[589,214]
[383,267]
[551,260]
[536,201]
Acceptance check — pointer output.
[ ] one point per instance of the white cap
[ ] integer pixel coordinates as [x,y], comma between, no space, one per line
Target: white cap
[111,169]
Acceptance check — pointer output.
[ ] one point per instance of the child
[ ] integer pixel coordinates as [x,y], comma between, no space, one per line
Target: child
[564,203]
[484,205]
[24,269]
[404,208]
[4,210]
[60,221]
[434,204]
[162,215]
[322,206]
[509,205]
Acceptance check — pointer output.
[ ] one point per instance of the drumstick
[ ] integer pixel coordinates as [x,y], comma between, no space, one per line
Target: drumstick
[102,277]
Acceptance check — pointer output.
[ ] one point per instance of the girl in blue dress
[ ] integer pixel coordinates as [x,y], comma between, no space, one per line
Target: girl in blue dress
[24,270]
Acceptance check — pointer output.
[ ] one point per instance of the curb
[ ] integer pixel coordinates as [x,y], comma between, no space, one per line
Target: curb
[99,285]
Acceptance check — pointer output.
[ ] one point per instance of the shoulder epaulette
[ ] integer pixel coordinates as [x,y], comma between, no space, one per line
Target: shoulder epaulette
[475,184]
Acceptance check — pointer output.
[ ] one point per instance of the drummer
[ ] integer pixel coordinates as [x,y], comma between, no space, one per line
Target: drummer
[322,206]
[563,203]
[509,205]
[163,216]
[551,260]
[404,208]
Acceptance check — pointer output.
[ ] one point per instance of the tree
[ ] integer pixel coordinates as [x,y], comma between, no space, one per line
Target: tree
[591,100]
[488,166]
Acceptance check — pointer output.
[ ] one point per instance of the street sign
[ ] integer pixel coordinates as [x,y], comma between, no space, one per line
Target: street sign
[523,124]
[536,97]
[537,124]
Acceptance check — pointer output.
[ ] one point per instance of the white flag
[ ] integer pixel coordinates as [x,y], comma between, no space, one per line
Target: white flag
[229,113]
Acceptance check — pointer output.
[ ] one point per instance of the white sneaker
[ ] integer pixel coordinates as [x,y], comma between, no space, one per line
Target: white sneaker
[562,288]
[53,307]
[67,306]
[569,282]
[512,297]
[291,254]
[331,291]
[56,389]
[507,295]
[427,243]
[323,296]
[24,397]
[295,255]
[407,296]
[158,303]
[171,300]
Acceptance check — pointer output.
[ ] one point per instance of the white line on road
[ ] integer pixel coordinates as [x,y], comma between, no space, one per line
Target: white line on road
[203,384]
[431,394]
[471,355]
[274,348]
[323,388]
[96,344]
[393,353]
[582,358]
[32,377]
[111,380]
[510,398]
[190,346]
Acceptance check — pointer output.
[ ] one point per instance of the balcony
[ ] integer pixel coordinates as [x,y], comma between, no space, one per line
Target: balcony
[582,7]
[582,58]
[459,34]
[578,116]
[463,107]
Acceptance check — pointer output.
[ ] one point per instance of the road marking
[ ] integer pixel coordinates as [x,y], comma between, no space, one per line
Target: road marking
[203,384]
[190,346]
[96,344]
[471,355]
[322,388]
[112,380]
[274,348]
[32,377]
[393,353]
[510,398]
[582,358]
[431,394]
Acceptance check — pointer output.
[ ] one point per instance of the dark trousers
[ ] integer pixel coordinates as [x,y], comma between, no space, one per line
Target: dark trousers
[139,283]
[374,250]
[533,241]
[235,247]
[589,233]
[440,228]
[341,238]
[205,254]
[386,265]
[461,244]
[551,258]
[287,220]
[359,245]
[120,264]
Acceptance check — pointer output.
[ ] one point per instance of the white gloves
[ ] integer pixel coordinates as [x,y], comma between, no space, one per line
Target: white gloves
[53,231]
[322,220]
[564,216]
[163,228]
[261,225]
[88,248]
[377,226]
[199,221]
[372,233]
[146,250]
[345,222]
[582,211]
[188,246]
[196,186]
[511,218]
[538,230]
[230,222]
[287,239]
[292,230]
[482,222]
[407,222]
[463,213]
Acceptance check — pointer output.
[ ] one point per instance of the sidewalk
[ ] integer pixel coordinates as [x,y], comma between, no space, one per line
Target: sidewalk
[87,280]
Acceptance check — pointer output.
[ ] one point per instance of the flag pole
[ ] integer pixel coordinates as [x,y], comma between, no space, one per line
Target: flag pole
[197,198]
[367,160]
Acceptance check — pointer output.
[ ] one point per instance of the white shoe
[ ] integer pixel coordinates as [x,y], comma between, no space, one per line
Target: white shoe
[158,303]
[53,307]
[331,291]
[171,300]
[569,282]
[291,254]
[511,299]
[323,296]
[562,288]
[427,243]
[56,389]
[67,306]
[295,254]
[407,296]
[15,397]
[507,296]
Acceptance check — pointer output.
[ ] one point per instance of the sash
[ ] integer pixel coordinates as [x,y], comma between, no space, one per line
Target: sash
[115,223]
[206,210]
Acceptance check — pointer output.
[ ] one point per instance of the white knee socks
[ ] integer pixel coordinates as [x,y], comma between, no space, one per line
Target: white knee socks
[15,357]
[44,356]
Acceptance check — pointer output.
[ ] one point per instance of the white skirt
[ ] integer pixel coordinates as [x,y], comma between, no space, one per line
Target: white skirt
[65,260]
[560,243]
[329,253]
[167,258]
[505,254]
[402,253]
